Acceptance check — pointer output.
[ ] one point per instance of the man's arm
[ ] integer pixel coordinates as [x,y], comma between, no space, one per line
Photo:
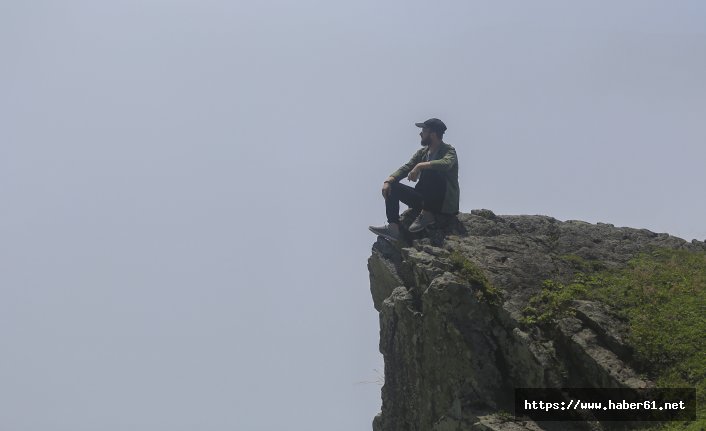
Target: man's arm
[407,167]
[400,173]
[445,163]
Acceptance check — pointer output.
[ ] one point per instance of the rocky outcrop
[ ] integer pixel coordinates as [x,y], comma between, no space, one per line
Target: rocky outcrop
[453,355]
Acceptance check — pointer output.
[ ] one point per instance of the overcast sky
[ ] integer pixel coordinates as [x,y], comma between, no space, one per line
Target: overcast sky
[187,185]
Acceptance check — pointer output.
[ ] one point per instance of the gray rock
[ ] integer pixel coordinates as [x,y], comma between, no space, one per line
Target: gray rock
[453,358]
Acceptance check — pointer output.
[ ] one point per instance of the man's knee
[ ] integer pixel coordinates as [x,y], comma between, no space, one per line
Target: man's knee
[392,193]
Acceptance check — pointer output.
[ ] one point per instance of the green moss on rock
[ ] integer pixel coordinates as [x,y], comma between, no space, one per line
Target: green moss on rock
[662,295]
[467,270]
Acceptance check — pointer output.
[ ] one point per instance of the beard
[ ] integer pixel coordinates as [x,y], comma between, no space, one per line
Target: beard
[425,142]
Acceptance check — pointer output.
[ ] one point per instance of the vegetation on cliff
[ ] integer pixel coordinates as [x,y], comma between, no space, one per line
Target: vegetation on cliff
[662,294]
[475,277]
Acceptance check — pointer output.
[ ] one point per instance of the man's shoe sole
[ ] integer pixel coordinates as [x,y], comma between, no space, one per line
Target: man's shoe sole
[384,235]
[420,229]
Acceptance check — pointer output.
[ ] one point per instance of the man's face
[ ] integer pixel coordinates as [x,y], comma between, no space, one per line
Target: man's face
[426,137]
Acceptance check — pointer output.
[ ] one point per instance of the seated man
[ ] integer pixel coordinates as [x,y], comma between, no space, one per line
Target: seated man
[436,167]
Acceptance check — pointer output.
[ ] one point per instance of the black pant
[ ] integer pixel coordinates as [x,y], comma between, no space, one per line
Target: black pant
[428,194]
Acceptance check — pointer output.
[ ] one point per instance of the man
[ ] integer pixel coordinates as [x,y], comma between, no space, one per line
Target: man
[436,167]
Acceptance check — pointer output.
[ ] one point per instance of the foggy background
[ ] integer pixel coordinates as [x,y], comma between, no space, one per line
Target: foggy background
[187,185]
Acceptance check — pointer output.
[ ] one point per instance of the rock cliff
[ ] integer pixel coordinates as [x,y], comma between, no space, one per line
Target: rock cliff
[456,332]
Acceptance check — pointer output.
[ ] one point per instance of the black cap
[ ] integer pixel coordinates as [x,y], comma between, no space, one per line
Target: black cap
[433,124]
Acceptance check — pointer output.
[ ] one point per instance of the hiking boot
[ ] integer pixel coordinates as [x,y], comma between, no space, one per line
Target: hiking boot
[389,232]
[425,219]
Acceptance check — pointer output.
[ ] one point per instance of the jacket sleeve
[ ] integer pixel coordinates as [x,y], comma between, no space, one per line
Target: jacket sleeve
[445,163]
[407,167]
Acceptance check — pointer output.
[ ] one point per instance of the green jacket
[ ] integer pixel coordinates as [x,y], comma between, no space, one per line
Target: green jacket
[447,163]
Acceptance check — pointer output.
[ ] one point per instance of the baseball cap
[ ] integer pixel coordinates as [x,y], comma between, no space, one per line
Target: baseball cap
[433,124]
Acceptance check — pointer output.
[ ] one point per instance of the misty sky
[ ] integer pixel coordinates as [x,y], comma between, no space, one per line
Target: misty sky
[187,185]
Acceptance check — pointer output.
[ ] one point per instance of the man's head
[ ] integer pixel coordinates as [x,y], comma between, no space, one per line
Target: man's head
[432,130]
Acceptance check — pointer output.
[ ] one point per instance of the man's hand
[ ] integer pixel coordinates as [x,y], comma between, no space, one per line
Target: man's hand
[414,173]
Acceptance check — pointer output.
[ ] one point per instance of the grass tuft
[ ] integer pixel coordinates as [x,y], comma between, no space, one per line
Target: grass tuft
[662,295]
[475,277]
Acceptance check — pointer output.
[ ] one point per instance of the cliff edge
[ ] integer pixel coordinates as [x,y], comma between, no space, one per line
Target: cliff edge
[488,303]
